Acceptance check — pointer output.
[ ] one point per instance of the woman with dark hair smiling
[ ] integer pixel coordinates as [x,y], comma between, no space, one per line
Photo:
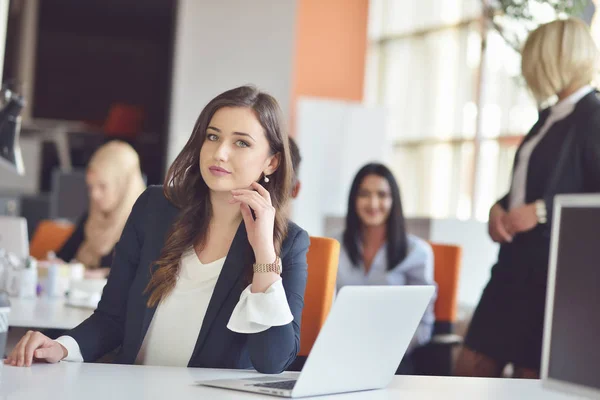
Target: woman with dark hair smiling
[376,250]
[208,272]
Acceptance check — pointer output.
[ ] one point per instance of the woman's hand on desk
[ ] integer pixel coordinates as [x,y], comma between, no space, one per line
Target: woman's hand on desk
[35,346]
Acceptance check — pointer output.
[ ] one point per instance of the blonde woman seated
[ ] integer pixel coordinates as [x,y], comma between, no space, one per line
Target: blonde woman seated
[114,182]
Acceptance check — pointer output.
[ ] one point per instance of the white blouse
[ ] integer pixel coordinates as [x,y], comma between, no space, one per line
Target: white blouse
[183,311]
[558,112]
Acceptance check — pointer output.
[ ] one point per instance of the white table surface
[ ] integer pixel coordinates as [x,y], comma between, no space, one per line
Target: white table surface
[44,313]
[106,381]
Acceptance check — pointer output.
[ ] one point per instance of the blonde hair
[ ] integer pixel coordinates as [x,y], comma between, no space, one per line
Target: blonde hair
[559,55]
[114,160]
[120,163]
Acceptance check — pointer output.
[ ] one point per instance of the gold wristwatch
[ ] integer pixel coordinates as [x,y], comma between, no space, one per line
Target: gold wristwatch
[540,211]
[273,267]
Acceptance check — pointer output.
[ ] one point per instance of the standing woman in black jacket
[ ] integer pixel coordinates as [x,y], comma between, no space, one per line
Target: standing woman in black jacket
[561,154]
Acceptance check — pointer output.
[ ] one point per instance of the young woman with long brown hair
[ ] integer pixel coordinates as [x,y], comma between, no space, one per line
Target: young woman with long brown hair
[208,272]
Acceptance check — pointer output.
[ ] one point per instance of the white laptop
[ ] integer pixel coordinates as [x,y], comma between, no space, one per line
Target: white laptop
[13,236]
[571,349]
[359,347]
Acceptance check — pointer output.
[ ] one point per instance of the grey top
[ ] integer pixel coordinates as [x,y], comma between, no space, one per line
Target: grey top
[415,269]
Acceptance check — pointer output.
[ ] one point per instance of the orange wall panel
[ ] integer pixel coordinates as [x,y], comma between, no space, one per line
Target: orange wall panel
[331,45]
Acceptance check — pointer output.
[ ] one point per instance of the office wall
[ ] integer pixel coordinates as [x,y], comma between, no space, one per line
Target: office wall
[326,115]
[291,48]
[227,43]
[334,139]
[330,51]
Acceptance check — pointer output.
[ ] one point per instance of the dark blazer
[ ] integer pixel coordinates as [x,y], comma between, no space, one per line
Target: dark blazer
[122,317]
[69,249]
[566,160]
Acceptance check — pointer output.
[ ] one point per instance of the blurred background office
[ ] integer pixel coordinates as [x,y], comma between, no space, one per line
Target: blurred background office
[114,183]
[430,88]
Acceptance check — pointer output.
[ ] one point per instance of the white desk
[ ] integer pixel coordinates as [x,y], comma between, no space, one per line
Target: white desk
[45,313]
[105,381]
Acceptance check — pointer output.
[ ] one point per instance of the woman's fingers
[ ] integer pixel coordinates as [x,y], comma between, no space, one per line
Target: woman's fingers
[50,351]
[254,201]
[259,192]
[262,191]
[24,352]
[503,233]
[493,230]
[20,349]
[252,193]
[498,231]
[258,200]
[494,234]
[246,214]
[36,340]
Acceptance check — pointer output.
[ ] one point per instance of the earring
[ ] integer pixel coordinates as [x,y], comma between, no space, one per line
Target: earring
[267,179]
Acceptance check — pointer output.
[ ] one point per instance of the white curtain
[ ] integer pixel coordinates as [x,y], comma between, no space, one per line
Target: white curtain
[428,83]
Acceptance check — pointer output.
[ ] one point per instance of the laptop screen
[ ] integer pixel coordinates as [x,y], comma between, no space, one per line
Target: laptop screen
[574,345]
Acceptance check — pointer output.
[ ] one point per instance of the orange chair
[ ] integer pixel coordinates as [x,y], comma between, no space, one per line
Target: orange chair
[49,236]
[322,259]
[447,261]
[435,358]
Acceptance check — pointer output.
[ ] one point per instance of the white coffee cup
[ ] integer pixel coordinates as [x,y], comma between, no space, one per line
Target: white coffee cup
[28,279]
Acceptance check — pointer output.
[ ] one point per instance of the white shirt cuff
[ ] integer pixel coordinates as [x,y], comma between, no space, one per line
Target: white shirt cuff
[257,312]
[73,351]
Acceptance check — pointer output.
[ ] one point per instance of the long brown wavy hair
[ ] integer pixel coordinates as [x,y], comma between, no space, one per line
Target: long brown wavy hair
[185,188]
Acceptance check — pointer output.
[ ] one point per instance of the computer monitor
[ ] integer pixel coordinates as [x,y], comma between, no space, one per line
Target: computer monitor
[571,349]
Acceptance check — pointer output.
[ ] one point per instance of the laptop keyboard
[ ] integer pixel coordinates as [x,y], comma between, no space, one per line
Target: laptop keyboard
[285,385]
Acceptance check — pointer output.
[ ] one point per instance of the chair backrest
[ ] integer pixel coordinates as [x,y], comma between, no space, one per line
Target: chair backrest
[322,258]
[49,236]
[447,261]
